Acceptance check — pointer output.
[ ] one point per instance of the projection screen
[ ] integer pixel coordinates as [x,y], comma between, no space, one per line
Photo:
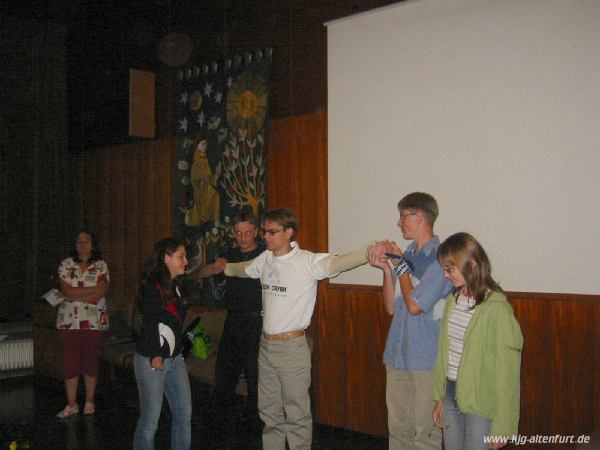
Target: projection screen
[491,106]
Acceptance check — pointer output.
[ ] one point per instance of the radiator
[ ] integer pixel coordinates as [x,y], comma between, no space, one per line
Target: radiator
[16,354]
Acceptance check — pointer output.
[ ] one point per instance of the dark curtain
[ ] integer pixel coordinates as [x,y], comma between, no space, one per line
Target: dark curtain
[35,179]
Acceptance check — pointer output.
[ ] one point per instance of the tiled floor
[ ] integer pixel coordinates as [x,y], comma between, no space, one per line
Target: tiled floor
[28,405]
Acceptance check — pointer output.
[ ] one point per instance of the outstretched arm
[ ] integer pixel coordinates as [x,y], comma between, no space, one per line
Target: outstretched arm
[237,269]
[208,270]
[334,264]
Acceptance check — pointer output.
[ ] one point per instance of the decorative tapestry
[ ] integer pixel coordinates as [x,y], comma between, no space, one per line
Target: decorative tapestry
[221,157]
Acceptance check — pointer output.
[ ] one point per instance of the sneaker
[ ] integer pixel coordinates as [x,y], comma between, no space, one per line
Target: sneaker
[68,411]
[89,408]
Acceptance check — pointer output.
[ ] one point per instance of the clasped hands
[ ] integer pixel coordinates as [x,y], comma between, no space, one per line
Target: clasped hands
[377,250]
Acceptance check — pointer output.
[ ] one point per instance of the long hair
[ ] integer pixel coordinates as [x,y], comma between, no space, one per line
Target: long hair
[95,255]
[156,271]
[462,251]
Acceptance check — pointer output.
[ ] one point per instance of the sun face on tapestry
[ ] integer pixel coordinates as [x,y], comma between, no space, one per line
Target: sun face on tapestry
[221,155]
[247,103]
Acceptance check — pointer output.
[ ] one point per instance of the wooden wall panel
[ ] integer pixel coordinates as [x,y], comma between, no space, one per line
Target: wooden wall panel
[132,215]
[355,334]
[537,343]
[330,364]
[350,375]
[145,204]
[125,196]
[560,366]
[297,176]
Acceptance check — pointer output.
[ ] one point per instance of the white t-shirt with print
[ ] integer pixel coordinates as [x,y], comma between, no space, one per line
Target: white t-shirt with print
[289,287]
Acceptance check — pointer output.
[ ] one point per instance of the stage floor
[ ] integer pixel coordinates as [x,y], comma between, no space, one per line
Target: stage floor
[28,405]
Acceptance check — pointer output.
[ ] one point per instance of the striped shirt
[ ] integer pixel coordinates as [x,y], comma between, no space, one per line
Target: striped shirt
[461,313]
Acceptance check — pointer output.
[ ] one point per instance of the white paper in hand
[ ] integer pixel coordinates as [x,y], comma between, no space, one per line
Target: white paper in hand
[53,297]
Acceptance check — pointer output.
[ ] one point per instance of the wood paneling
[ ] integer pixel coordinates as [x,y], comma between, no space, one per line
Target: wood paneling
[35,203]
[125,197]
[297,176]
[560,366]
[350,378]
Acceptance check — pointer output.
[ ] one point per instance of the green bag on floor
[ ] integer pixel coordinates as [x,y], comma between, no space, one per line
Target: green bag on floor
[202,346]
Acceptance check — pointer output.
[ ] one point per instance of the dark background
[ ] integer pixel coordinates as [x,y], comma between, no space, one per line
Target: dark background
[105,38]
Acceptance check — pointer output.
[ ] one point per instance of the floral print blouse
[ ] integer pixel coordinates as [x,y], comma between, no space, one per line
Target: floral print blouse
[76,315]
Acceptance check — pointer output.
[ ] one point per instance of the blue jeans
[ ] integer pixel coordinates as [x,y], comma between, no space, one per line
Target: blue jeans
[462,431]
[174,383]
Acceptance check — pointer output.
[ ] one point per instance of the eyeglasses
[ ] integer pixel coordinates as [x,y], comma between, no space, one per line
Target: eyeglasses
[272,232]
[404,216]
[448,269]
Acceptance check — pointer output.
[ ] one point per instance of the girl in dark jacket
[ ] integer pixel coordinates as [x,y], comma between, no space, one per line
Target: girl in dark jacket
[158,364]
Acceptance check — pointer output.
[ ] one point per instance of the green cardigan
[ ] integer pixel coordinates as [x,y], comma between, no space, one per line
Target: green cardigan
[488,382]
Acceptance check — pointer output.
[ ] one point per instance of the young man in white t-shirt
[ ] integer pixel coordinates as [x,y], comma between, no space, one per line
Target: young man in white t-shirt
[289,277]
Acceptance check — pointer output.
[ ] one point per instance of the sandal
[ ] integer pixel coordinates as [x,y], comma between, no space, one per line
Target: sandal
[68,411]
[89,408]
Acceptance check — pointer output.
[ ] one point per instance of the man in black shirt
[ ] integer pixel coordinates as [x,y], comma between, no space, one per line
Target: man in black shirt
[240,341]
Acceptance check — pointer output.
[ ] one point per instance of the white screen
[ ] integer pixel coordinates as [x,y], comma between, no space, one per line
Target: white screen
[493,107]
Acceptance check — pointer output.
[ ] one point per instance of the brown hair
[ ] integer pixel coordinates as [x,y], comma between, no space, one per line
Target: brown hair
[284,217]
[422,202]
[155,270]
[462,251]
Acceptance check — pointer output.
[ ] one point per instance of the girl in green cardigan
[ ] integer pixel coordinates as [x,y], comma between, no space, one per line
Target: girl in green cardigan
[476,379]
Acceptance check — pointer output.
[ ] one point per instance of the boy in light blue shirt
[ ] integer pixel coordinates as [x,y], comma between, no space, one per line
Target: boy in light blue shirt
[416,302]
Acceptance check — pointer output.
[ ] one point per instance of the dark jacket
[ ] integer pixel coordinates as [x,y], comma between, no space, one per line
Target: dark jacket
[162,325]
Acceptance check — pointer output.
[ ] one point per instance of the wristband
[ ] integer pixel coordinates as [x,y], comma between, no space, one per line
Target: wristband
[401,267]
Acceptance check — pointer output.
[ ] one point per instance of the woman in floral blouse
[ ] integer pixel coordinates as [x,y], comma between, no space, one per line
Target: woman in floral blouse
[82,318]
